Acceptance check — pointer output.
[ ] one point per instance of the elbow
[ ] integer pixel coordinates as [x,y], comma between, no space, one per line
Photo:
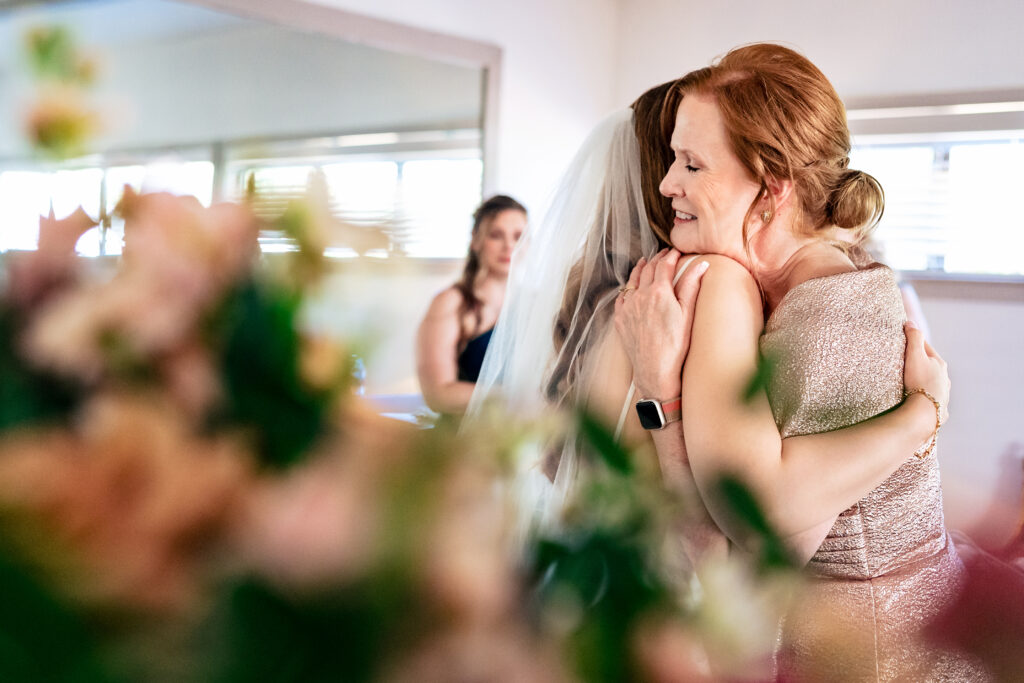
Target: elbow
[434,398]
[444,398]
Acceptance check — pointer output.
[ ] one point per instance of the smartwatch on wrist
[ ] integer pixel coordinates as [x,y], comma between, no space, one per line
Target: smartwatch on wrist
[655,414]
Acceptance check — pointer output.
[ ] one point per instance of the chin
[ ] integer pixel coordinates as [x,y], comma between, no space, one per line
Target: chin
[686,246]
[682,239]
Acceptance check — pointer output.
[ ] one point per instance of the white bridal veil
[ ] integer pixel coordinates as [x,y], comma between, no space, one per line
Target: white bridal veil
[565,276]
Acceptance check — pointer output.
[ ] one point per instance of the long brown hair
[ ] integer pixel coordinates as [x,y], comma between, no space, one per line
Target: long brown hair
[466,284]
[653,118]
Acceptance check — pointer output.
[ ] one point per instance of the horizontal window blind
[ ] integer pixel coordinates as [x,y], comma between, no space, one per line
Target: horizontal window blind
[951,174]
[384,194]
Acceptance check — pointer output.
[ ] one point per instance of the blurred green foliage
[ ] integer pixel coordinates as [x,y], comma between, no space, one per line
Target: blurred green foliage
[42,638]
[259,357]
[600,570]
[739,500]
[53,55]
[28,395]
[761,380]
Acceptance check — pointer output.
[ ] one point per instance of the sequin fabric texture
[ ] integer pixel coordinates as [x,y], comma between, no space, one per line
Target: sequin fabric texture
[887,566]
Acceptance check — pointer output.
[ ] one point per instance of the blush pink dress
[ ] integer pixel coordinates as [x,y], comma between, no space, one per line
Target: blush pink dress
[888,565]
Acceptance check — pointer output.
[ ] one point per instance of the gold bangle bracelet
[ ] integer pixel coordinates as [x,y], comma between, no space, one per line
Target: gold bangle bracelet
[938,420]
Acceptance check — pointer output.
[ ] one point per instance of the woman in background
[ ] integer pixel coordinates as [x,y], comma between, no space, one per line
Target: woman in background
[454,334]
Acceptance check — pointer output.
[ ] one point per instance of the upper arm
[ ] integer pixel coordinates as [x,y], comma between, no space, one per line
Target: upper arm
[437,341]
[723,431]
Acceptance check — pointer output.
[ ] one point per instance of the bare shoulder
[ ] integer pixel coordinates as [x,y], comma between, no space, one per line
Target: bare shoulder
[724,275]
[447,303]
[729,308]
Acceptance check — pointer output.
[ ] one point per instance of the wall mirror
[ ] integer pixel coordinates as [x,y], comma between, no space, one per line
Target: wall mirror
[196,97]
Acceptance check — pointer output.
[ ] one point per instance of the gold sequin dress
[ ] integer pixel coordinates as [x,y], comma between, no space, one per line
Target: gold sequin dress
[887,566]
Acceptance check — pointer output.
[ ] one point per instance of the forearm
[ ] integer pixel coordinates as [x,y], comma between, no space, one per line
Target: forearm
[448,397]
[694,531]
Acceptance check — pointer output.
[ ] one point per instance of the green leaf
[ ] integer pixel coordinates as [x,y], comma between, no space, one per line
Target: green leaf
[258,633]
[260,361]
[603,441]
[51,52]
[27,395]
[610,575]
[42,639]
[761,379]
[742,504]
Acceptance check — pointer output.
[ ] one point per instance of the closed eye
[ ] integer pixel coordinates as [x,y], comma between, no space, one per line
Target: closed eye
[692,169]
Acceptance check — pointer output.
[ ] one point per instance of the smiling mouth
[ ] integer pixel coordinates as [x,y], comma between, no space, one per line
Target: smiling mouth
[683,216]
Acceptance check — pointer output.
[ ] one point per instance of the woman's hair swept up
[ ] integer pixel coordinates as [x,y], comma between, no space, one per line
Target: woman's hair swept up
[785,121]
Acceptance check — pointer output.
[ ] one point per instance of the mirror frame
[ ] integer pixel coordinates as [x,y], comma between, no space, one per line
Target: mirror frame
[389,35]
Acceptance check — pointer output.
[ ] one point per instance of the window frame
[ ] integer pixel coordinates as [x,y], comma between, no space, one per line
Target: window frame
[941,117]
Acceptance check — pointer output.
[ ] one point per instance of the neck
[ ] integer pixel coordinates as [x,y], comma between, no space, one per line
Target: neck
[775,254]
[490,285]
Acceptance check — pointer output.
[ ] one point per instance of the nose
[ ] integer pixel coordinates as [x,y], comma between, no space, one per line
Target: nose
[670,185]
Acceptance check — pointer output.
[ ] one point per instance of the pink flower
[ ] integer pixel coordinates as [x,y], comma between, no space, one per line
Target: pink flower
[132,493]
[315,526]
[180,259]
[35,275]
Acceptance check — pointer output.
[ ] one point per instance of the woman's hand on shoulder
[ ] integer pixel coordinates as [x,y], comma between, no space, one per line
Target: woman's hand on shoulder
[924,368]
[654,318]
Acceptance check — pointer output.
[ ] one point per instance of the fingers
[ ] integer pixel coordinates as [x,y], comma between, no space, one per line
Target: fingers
[932,353]
[915,338]
[647,276]
[689,285]
[634,276]
[664,274]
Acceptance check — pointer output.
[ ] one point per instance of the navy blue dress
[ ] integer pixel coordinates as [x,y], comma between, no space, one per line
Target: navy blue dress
[472,357]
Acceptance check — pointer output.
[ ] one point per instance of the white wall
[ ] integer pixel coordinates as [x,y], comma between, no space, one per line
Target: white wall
[979,331]
[866,48]
[557,79]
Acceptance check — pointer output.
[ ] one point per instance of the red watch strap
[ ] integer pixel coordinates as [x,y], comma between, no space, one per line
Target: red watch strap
[674,404]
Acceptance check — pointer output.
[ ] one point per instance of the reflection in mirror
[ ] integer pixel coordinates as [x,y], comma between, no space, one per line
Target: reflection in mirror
[201,102]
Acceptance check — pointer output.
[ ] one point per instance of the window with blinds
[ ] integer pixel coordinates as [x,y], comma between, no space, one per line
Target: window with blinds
[25,195]
[408,194]
[397,194]
[952,174]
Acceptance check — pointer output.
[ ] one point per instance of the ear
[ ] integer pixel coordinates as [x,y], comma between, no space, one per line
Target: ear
[782,191]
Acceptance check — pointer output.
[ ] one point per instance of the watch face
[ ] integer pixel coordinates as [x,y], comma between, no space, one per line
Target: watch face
[650,414]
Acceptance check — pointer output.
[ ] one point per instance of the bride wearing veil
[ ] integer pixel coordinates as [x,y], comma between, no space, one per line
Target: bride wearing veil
[554,344]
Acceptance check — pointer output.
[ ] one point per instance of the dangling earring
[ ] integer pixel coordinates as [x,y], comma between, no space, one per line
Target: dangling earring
[766,216]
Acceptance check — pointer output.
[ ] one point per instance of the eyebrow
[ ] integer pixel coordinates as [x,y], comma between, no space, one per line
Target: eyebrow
[684,150]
